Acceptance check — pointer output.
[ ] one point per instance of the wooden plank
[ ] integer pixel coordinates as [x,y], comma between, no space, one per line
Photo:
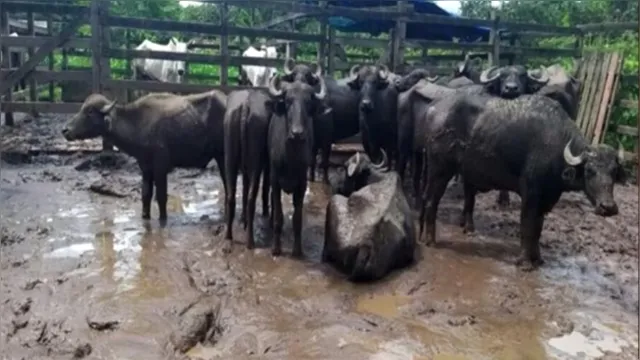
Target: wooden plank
[33,91]
[43,76]
[224,44]
[23,42]
[51,59]
[494,40]
[6,60]
[630,104]
[601,72]
[44,8]
[193,58]
[607,94]
[627,130]
[41,107]
[614,88]
[157,86]
[96,47]
[399,39]
[201,28]
[39,55]
[585,100]
[282,19]
[602,27]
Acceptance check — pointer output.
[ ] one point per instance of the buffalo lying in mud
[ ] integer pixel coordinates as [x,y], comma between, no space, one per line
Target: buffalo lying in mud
[246,125]
[290,143]
[369,228]
[161,131]
[527,145]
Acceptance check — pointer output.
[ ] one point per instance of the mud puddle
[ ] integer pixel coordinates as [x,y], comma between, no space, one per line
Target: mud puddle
[84,276]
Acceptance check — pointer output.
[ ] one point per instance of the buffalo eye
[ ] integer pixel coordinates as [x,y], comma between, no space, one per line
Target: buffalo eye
[589,172]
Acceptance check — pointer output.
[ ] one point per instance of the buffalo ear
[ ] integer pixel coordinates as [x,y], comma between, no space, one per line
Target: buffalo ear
[354,84]
[621,175]
[278,107]
[569,174]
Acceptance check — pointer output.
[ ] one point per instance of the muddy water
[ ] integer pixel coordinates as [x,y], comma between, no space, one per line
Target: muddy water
[89,258]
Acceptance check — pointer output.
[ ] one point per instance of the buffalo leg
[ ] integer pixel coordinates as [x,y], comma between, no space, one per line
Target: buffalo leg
[438,176]
[266,178]
[276,210]
[325,153]
[147,193]
[417,176]
[503,198]
[531,220]
[231,173]
[254,184]
[160,180]
[312,164]
[298,197]
[466,219]
[245,195]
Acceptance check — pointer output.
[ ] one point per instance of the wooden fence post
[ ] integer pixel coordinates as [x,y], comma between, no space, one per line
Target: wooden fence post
[332,51]
[322,46]
[128,71]
[33,87]
[6,58]
[494,39]
[97,59]
[51,59]
[399,36]
[224,45]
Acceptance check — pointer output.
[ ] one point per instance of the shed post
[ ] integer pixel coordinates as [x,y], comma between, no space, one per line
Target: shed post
[224,45]
[6,59]
[399,37]
[51,59]
[33,86]
[322,46]
[494,40]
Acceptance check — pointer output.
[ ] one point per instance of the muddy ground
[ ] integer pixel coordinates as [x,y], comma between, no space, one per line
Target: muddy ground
[82,276]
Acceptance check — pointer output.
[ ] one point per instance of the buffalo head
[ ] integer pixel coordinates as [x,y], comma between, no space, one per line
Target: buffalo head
[510,82]
[367,80]
[306,73]
[359,171]
[404,83]
[298,103]
[595,171]
[177,68]
[92,120]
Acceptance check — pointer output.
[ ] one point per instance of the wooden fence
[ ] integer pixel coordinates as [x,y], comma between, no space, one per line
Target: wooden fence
[101,22]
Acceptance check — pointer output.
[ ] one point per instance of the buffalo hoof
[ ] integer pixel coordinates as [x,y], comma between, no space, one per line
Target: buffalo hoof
[227,247]
[276,251]
[163,222]
[526,264]
[251,244]
[146,216]
[468,228]
[297,253]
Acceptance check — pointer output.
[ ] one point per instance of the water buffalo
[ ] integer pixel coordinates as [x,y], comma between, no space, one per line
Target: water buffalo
[161,131]
[563,88]
[246,125]
[369,228]
[509,82]
[525,145]
[290,143]
[377,109]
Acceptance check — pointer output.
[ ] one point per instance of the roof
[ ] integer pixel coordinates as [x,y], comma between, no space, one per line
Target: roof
[414,30]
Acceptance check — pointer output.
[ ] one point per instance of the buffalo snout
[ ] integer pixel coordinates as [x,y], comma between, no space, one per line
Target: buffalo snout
[297,133]
[607,208]
[510,89]
[181,72]
[66,132]
[366,105]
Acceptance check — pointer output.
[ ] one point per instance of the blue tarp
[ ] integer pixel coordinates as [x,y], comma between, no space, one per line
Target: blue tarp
[414,30]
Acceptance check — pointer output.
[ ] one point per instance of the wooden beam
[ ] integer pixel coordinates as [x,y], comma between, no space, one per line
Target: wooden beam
[42,52]
[157,86]
[44,8]
[629,104]
[193,58]
[601,27]
[282,19]
[41,107]
[627,130]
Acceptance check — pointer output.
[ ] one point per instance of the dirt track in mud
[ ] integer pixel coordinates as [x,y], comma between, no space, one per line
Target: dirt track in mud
[82,276]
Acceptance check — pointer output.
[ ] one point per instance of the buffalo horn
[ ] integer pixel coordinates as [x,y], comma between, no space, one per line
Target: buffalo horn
[323,89]
[620,152]
[484,76]
[353,73]
[288,66]
[107,108]
[382,163]
[383,72]
[569,157]
[273,91]
[433,79]
[318,72]
[544,76]
[352,166]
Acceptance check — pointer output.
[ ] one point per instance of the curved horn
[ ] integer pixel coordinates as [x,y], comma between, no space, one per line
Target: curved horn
[484,76]
[620,152]
[273,90]
[353,72]
[433,79]
[318,72]
[323,89]
[289,63]
[383,72]
[544,76]
[569,157]
[463,65]
[382,163]
[351,169]
[107,108]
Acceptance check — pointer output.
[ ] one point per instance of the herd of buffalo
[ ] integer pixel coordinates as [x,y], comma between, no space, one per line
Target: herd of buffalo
[505,128]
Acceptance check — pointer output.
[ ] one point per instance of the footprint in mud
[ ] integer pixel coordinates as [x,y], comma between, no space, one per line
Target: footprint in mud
[198,323]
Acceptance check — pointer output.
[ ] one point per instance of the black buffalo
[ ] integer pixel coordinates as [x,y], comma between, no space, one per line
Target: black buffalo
[528,145]
[246,125]
[290,144]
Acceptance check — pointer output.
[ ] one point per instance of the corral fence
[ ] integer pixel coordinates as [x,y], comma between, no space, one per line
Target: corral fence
[503,47]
